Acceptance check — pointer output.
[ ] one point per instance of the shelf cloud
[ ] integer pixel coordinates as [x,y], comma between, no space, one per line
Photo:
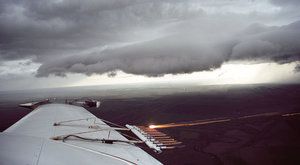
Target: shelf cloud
[149,38]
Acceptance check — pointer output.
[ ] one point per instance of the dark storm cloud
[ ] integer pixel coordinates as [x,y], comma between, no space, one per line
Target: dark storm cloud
[278,44]
[48,28]
[152,58]
[297,68]
[186,53]
[289,9]
[286,2]
[37,28]
[140,37]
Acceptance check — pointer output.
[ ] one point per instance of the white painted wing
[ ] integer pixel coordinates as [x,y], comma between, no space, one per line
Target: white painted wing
[29,140]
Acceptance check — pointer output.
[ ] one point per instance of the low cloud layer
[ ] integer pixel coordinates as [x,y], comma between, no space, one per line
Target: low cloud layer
[185,53]
[147,37]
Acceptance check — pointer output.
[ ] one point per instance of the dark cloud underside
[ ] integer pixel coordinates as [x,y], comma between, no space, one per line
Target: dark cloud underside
[144,37]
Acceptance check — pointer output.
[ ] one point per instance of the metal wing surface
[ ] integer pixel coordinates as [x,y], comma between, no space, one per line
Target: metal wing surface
[30,140]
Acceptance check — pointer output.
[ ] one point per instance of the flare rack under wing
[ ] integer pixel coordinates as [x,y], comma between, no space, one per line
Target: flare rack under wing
[30,140]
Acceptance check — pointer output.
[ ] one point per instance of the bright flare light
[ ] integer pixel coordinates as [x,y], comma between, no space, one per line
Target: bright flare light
[152,126]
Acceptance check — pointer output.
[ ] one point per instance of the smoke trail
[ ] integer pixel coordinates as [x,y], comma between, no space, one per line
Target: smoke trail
[260,115]
[220,120]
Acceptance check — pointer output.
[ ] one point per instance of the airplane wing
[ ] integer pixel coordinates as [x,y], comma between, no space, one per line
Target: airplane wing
[67,134]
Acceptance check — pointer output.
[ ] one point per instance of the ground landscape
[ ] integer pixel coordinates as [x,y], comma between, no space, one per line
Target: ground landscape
[265,139]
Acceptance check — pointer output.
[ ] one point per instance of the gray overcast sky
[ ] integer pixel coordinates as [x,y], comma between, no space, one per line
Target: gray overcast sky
[54,43]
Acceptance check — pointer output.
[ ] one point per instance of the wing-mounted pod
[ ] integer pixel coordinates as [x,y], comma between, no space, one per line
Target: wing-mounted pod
[92,103]
[33,105]
[84,102]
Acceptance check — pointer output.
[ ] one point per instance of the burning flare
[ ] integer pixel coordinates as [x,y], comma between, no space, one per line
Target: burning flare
[152,126]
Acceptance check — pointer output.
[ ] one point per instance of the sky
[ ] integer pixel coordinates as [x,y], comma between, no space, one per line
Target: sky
[62,43]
